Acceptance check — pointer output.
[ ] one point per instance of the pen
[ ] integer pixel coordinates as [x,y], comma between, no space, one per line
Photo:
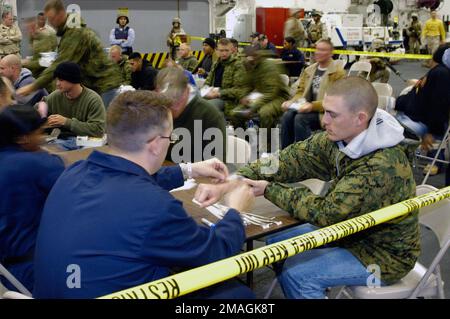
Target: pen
[207,222]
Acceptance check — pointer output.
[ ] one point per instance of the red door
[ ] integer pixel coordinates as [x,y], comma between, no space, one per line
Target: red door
[270,21]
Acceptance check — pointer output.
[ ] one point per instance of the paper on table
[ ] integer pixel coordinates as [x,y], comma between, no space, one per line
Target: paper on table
[189,184]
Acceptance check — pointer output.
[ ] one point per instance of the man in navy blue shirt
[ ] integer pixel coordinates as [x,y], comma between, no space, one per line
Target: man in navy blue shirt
[110,222]
[26,176]
[293,58]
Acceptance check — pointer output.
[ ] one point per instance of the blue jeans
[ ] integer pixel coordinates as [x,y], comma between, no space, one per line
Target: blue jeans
[297,127]
[108,96]
[418,128]
[308,274]
[68,144]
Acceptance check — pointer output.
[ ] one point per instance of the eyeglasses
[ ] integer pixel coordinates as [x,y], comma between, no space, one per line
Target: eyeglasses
[173,138]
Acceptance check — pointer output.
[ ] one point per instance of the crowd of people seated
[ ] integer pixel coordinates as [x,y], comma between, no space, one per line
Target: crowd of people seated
[112,214]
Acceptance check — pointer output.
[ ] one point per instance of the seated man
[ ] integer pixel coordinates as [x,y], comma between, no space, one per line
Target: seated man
[112,216]
[226,77]
[265,44]
[263,77]
[299,123]
[115,54]
[361,153]
[27,175]
[292,57]
[185,58]
[193,118]
[11,68]
[425,109]
[143,75]
[75,109]
[204,66]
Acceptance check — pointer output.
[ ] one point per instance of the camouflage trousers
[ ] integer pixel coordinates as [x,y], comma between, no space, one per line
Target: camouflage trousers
[414,46]
[269,114]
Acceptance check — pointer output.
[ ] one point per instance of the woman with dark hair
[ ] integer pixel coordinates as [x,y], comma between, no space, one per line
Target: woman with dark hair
[27,175]
[425,109]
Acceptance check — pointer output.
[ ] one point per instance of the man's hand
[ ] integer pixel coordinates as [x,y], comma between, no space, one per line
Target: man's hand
[245,101]
[285,106]
[305,108]
[213,94]
[212,168]
[56,120]
[258,187]
[240,198]
[427,142]
[209,194]
[26,90]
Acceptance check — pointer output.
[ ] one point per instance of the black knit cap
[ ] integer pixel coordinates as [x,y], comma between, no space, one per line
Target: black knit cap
[68,71]
[210,42]
[16,121]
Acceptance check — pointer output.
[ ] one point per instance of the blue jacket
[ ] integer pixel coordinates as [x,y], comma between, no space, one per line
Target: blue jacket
[25,181]
[119,226]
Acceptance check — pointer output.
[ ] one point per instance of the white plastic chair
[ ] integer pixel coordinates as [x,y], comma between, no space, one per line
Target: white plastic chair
[383,89]
[387,103]
[15,295]
[6,274]
[361,66]
[238,150]
[419,282]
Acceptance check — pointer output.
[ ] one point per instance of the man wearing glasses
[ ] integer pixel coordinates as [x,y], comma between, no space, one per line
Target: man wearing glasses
[110,222]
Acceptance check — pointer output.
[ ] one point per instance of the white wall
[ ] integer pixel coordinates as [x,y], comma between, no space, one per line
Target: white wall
[322,5]
[151,19]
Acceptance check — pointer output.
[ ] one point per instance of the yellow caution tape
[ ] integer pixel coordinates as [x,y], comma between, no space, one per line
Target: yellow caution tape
[208,275]
[360,53]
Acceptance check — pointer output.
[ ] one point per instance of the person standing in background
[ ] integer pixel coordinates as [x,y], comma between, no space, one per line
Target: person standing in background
[123,35]
[414,31]
[434,35]
[10,35]
[42,38]
[174,37]
[293,27]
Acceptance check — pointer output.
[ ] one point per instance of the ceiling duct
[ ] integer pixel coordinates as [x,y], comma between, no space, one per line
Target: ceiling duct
[224,6]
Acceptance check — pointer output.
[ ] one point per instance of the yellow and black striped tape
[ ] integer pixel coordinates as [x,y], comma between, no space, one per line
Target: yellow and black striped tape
[360,53]
[208,275]
[157,60]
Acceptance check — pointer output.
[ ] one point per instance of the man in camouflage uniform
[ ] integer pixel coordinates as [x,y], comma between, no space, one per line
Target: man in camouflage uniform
[414,32]
[293,27]
[42,39]
[226,79]
[80,45]
[317,30]
[362,155]
[186,59]
[115,54]
[263,77]
[10,35]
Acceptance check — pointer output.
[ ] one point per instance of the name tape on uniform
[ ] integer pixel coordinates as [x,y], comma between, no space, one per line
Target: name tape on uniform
[359,53]
[211,274]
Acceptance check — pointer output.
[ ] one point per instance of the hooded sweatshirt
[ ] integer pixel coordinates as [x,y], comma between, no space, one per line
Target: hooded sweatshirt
[371,172]
[25,78]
